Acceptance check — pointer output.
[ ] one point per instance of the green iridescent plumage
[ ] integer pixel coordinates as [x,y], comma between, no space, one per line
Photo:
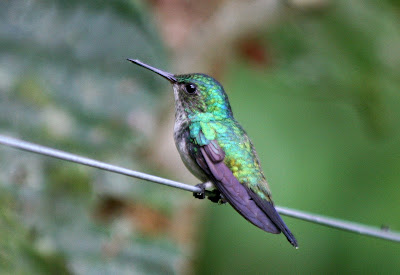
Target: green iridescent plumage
[215,148]
[240,156]
[217,123]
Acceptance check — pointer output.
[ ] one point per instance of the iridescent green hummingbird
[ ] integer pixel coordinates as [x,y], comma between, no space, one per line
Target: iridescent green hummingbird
[216,149]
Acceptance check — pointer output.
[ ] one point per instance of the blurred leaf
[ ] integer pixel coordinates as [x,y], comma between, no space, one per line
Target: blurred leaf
[66,83]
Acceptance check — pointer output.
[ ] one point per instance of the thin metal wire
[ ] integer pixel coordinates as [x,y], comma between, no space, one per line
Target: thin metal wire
[341,224]
[318,219]
[39,149]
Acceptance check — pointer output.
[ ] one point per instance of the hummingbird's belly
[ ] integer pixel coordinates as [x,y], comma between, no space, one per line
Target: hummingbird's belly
[182,140]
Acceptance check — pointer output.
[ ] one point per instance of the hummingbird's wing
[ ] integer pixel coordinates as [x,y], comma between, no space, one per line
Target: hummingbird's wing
[234,192]
[260,212]
[268,207]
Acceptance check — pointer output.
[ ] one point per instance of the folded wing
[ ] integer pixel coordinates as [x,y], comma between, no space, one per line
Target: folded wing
[256,210]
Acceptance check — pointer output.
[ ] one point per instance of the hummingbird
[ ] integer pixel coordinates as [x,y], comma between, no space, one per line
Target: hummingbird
[216,149]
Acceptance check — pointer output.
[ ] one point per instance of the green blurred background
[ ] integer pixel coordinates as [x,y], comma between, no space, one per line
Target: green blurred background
[315,84]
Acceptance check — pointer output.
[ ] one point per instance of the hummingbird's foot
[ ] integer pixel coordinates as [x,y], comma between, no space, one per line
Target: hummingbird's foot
[202,194]
[214,195]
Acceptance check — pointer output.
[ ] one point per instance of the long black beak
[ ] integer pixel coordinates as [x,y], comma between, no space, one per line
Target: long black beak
[166,75]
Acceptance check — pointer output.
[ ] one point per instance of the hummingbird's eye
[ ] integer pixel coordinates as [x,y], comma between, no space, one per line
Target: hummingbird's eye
[190,88]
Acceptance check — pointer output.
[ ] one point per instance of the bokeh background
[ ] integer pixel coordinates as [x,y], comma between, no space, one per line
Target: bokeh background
[314,82]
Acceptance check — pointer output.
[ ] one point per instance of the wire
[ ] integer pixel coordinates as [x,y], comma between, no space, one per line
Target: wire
[310,217]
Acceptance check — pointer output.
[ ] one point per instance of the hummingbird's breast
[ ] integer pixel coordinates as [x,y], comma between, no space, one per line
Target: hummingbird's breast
[183,142]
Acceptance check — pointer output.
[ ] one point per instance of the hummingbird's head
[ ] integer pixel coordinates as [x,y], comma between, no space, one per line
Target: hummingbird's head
[200,93]
[196,93]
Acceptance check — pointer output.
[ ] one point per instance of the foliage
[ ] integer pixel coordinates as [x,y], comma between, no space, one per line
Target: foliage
[325,121]
[322,111]
[65,83]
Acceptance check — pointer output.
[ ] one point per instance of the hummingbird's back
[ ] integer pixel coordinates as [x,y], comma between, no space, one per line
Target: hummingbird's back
[241,157]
